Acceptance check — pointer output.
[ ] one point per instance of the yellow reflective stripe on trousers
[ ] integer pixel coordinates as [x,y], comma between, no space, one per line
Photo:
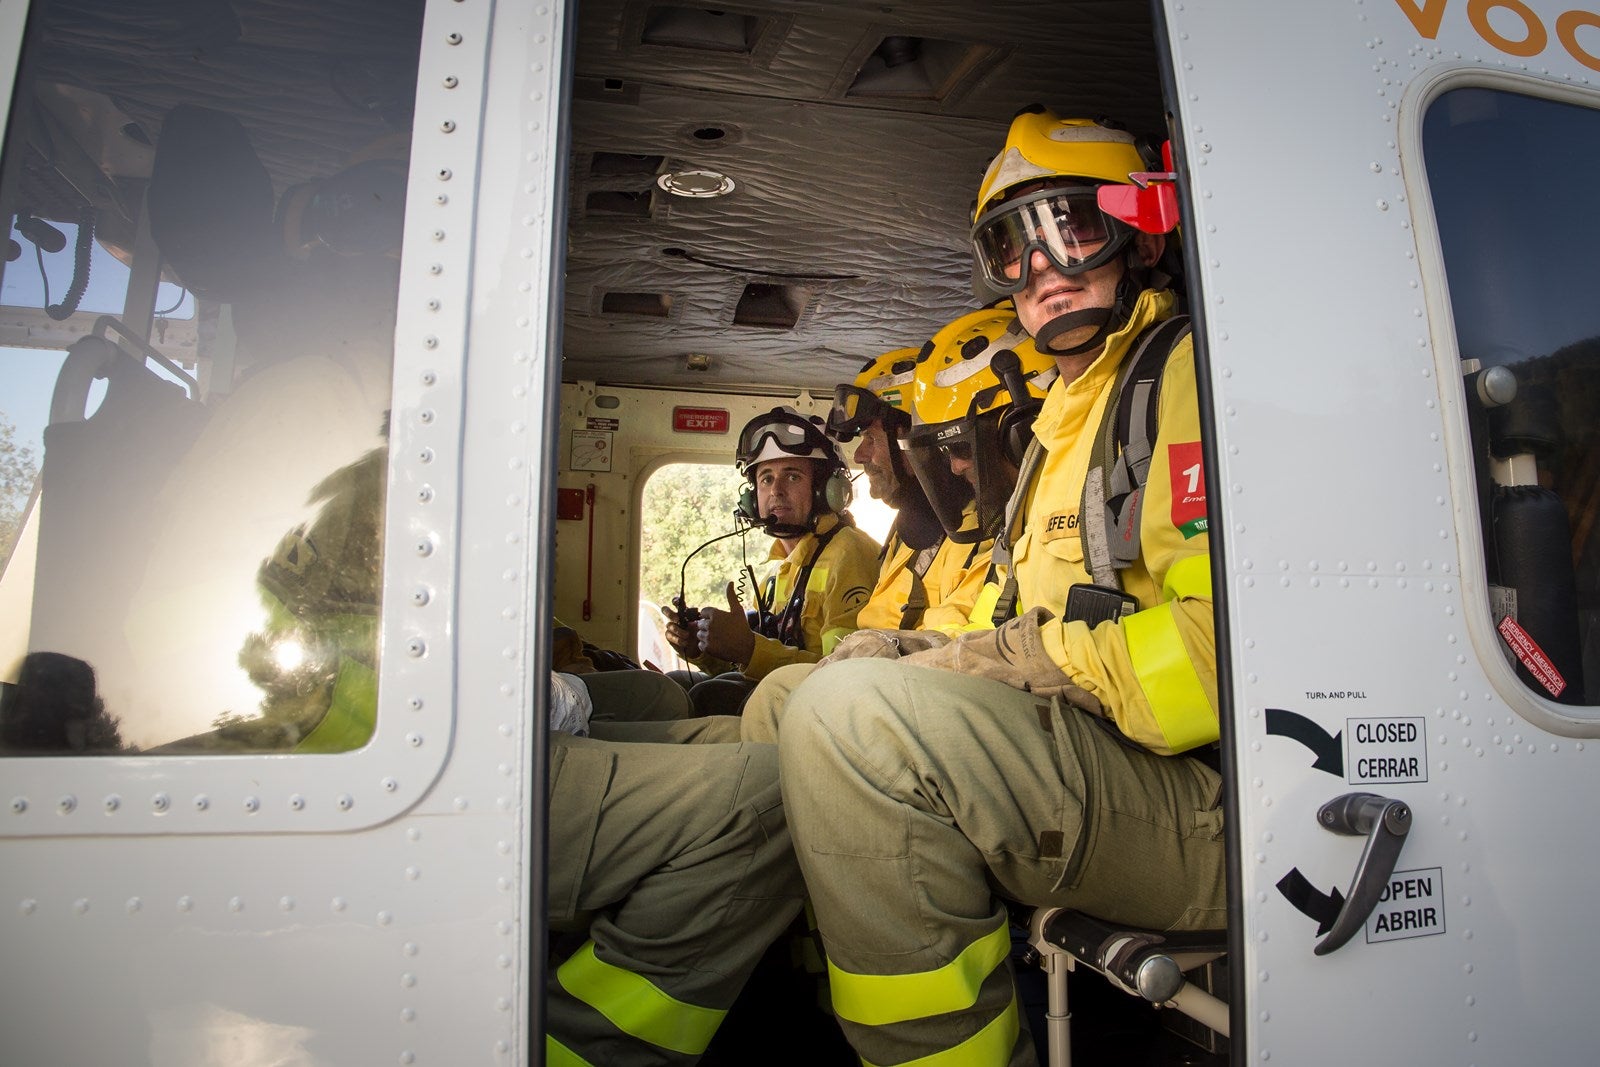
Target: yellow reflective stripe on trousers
[1178,700]
[877,999]
[831,638]
[1189,577]
[989,1047]
[558,1055]
[635,1006]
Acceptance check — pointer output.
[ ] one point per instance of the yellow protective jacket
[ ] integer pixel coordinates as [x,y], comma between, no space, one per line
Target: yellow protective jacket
[1154,670]
[951,584]
[841,581]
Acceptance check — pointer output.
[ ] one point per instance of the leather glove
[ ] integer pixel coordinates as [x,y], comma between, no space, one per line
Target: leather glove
[1013,654]
[884,644]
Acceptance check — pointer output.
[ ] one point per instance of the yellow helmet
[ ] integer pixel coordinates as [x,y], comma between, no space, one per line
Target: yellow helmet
[881,391]
[1059,165]
[979,383]
[1040,147]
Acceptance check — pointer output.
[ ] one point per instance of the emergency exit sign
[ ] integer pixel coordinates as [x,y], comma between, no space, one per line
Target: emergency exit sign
[700,420]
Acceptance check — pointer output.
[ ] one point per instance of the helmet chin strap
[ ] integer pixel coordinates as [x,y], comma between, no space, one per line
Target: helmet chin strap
[1107,320]
[1099,318]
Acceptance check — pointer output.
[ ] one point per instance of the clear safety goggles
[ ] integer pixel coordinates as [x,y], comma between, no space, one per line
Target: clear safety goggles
[1065,223]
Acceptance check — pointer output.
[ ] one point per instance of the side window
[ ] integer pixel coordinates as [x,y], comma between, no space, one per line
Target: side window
[1519,234]
[683,506]
[195,365]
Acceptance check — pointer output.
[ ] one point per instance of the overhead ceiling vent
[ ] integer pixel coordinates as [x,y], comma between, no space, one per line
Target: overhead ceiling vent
[701,29]
[771,306]
[650,305]
[624,164]
[902,67]
[620,202]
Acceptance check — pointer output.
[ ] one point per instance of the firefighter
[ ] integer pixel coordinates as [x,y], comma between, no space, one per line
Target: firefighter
[820,570]
[1041,761]
[937,555]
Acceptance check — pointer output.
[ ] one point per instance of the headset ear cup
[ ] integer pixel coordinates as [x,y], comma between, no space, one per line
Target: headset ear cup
[746,507]
[1016,430]
[837,492]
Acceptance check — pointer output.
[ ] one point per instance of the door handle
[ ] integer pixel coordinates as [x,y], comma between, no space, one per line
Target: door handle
[1384,823]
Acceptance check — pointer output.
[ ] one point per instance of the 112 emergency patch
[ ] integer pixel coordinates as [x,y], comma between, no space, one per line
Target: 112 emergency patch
[1188,474]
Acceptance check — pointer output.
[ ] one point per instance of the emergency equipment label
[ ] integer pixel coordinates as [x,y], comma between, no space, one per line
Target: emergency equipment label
[1412,905]
[1385,750]
[591,451]
[1188,488]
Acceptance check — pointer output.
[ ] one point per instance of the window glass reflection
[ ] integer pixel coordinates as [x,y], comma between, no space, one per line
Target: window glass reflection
[206,208]
[1518,234]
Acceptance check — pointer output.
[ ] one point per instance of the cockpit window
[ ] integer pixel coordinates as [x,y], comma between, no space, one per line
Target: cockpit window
[1519,234]
[196,345]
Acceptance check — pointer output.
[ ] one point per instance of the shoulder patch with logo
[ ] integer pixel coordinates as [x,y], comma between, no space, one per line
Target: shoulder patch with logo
[1188,488]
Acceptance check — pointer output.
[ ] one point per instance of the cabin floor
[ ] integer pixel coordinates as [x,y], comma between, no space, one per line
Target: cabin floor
[779,1019]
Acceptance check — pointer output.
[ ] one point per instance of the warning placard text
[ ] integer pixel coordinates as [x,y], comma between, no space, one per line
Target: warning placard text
[1385,750]
[1412,905]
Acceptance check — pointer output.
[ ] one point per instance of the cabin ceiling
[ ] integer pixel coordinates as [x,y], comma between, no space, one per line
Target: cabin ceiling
[853,179]
[853,162]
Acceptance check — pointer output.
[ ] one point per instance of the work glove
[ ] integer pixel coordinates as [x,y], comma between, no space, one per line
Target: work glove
[1013,654]
[884,644]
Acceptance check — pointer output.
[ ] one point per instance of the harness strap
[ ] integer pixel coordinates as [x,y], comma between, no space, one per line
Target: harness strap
[1113,492]
[917,601]
[1108,514]
[789,629]
[1016,512]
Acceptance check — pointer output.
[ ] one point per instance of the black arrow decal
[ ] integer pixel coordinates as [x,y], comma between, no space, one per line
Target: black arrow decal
[1310,900]
[1328,750]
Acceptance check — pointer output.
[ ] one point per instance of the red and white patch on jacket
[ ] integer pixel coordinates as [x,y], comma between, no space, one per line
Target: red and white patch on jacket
[1188,472]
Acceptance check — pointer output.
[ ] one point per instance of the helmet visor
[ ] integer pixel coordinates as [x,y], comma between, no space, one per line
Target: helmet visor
[855,409]
[949,487]
[1066,224]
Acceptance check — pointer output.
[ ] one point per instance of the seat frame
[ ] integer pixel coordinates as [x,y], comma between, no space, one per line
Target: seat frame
[1143,963]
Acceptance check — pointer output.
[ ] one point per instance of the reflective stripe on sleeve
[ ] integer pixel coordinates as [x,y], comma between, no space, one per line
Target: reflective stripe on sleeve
[831,638]
[878,999]
[989,1047]
[1177,699]
[1189,577]
[635,1006]
[558,1055]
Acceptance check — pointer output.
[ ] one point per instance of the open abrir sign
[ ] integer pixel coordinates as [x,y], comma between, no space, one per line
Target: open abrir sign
[1412,905]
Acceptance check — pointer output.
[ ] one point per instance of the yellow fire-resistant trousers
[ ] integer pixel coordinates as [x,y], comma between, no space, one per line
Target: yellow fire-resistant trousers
[678,859]
[917,797]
